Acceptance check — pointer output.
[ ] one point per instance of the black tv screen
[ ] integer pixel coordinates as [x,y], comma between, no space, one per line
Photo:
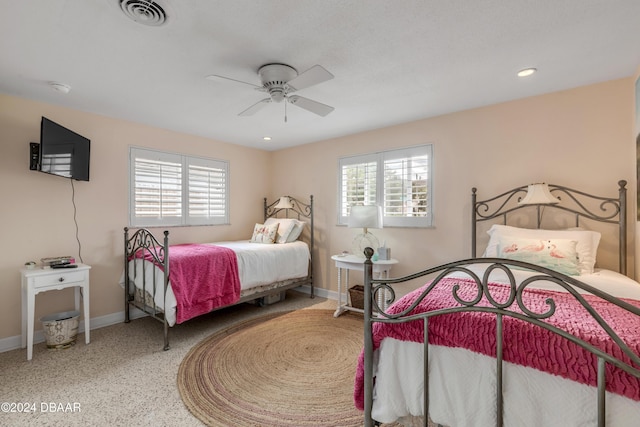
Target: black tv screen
[63,152]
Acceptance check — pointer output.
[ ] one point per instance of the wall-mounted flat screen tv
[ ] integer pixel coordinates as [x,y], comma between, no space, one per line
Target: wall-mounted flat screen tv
[63,152]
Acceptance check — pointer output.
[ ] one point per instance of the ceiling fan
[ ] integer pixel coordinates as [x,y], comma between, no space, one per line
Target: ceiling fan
[280,81]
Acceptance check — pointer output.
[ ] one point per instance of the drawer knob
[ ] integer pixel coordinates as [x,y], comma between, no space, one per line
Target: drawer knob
[61,279]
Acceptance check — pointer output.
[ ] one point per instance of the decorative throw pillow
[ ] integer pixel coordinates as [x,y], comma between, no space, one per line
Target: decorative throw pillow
[285,227]
[263,233]
[586,247]
[555,254]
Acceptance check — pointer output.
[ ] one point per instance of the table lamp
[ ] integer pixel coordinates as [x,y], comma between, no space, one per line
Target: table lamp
[365,217]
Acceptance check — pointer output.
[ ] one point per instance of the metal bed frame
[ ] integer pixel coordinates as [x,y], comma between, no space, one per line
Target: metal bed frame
[142,240]
[582,206]
[613,211]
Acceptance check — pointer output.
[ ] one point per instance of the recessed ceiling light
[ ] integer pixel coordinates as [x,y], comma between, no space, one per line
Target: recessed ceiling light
[60,87]
[266,138]
[526,72]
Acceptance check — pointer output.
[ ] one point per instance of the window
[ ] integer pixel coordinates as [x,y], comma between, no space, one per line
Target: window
[171,189]
[397,180]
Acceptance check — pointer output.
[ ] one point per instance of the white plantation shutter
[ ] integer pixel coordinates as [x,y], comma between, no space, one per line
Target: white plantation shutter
[207,191]
[406,200]
[171,189]
[157,189]
[358,183]
[397,180]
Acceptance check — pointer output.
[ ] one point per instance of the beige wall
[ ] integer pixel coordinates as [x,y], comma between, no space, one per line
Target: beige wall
[36,218]
[582,138]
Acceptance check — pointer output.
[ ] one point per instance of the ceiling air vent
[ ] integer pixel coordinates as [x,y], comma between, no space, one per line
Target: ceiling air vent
[145,12]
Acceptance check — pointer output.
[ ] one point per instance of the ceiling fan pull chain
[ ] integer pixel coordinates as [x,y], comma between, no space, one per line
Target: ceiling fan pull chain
[285,111]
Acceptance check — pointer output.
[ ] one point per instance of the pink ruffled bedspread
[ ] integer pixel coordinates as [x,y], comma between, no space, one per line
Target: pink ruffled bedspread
[536,348]
[203,278]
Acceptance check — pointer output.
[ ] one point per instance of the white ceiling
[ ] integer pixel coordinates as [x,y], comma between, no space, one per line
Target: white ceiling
[393,61]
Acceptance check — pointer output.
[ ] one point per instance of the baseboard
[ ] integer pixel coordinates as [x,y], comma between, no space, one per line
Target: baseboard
[321,292]
[15,342]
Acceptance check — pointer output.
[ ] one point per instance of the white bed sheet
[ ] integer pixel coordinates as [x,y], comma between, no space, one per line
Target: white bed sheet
[258,264]
[462,383]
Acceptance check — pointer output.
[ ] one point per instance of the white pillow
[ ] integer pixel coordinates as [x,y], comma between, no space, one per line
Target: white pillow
[555,254]
[587,242]
[263,233]
[286,229]
[296,232]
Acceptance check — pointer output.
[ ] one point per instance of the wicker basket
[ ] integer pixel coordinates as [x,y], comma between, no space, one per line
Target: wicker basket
[356,295]
[61,329]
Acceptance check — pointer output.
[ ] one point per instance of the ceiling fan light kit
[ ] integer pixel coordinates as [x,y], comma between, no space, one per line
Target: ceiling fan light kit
[279,81]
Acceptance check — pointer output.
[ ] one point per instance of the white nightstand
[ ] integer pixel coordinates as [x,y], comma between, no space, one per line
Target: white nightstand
[39,280]
[352,262]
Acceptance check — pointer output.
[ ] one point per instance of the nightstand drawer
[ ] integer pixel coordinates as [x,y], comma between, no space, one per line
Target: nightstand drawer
[59,277]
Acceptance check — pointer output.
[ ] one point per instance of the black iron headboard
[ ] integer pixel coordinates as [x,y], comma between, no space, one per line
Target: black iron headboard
[302,211]
[582,205]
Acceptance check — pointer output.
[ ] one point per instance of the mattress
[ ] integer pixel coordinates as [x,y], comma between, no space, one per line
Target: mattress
[259,265]
[462,382]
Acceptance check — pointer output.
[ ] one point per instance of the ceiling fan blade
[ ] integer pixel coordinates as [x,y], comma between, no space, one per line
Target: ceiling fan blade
[215,77]
[313,76]
[255,107]
[310,105]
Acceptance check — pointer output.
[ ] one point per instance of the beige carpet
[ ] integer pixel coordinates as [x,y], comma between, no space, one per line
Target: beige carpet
[123,377]
[285,369]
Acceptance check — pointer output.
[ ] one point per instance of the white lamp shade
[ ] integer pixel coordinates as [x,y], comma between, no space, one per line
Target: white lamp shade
[369,216]
[538,194]
[284,203]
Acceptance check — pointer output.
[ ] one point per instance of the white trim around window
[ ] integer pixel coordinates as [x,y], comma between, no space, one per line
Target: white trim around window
[169,189]
[398,180]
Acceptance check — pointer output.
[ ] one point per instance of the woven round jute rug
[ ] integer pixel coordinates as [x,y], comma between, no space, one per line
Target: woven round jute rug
[283,369]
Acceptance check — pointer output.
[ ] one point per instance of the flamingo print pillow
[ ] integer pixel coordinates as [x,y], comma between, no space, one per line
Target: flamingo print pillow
[555,254]
[587,242]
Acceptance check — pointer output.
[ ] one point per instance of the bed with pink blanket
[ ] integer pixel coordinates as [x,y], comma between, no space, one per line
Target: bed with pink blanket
[509,341]
[175,283]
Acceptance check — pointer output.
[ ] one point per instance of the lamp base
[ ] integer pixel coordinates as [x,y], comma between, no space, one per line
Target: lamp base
[362,241]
